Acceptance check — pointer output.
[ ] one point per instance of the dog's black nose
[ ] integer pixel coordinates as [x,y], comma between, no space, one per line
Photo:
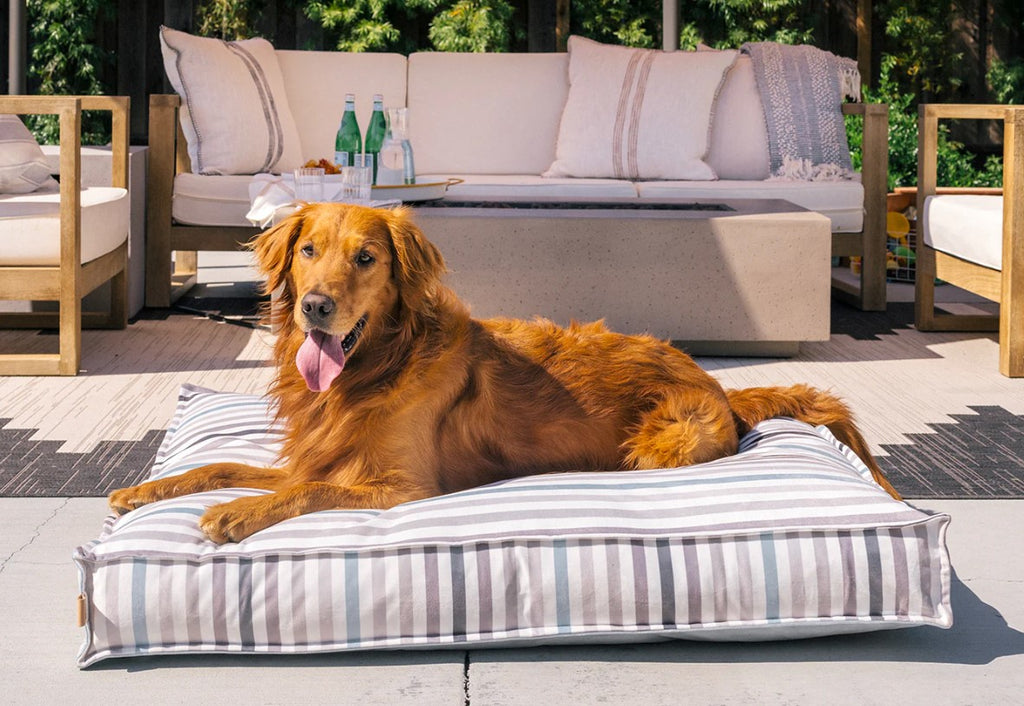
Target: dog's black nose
[317,308]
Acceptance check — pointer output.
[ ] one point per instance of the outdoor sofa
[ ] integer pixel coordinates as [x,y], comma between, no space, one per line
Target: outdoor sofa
[500,124]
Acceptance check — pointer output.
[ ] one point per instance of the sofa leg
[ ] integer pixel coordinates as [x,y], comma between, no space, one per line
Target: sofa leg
[872,272]
[69,331]
[1011,334]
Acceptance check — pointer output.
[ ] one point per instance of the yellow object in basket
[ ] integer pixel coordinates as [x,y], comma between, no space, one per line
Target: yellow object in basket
[897,226]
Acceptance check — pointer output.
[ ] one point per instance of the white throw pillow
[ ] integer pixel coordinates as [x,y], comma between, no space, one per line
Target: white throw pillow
[638,113]
[235,112]
[739,134]
[23,167]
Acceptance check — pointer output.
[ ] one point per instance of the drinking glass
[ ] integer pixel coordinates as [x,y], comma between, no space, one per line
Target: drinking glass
[357,180]
[309,184]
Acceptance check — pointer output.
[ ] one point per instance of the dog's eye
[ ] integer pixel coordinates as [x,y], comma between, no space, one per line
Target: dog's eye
[364,258]
[308,250]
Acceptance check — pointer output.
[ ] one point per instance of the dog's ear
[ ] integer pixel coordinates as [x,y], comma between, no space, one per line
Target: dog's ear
[418,265]
[273,250]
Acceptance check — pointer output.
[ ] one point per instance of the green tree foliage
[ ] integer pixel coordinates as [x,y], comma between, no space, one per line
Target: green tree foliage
[66,60]
[727,24]
[632,23]
[392,25]
[361,25]
[226,19]
[955,165]
[1006,74]
[919,37]
[473,25]
[1007,81]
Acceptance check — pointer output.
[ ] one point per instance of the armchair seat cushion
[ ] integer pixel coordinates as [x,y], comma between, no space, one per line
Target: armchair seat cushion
[968,226]
[30,225]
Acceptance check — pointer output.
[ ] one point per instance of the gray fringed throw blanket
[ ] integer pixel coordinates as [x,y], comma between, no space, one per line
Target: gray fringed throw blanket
[802,89]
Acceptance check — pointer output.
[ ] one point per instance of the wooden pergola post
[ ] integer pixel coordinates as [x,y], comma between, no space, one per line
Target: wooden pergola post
[17,49]
[864,41]
[670,25]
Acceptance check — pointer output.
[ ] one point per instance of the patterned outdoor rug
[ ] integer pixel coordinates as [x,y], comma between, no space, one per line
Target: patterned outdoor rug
[243,311]
[944,423]
[977,457]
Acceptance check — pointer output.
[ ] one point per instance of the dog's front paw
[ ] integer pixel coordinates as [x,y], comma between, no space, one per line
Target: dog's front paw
[127,499]
[234,521]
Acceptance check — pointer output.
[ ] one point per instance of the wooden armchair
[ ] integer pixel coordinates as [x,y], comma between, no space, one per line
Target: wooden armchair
[956,260]
[62,276]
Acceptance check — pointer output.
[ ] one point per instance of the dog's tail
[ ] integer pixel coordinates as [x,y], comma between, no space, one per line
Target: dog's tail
[755,404]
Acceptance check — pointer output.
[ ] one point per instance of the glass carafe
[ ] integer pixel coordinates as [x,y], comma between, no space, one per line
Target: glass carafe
[396,160]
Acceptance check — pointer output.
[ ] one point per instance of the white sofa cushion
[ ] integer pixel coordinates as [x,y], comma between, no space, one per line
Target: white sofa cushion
[224,200]
[211,200]
[841,201]
[485,113]
[316,83]
[739,134]
[638,113]
[23,167]
[235,112]
[497,187]
[30,225]
[967,226]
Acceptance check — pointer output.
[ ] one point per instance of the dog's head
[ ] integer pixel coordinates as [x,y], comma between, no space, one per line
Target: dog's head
[343,274]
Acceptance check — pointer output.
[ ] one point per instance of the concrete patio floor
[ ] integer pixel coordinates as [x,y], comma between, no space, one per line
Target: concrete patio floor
[979,661]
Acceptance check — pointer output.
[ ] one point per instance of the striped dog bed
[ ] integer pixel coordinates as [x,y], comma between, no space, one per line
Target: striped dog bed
[788,539]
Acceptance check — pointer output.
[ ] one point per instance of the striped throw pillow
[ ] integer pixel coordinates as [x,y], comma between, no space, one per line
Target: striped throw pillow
[234,112]
[790,538]
[638,113]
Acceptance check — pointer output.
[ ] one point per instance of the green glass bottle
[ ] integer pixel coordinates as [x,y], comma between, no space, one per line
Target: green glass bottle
[348,142]
[375,132]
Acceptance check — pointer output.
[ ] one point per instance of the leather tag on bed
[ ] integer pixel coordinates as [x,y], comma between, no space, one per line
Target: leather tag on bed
[83,610]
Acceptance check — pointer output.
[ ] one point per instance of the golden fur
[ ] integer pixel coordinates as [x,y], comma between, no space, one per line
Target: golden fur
[431,401]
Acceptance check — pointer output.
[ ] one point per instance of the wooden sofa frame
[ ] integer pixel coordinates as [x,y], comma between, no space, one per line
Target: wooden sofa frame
[70,280]
[168,156]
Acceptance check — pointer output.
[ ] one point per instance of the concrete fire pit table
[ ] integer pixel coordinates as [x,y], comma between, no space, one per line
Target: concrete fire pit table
[737,277]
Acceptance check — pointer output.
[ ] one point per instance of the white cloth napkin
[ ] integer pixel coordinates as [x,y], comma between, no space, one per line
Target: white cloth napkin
[272,197]
[269,193]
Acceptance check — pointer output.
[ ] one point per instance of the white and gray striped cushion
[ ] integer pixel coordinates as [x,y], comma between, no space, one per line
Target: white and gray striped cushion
[789,539]
[234,104]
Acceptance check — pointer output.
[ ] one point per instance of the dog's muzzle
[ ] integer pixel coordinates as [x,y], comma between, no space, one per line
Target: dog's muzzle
[317,309]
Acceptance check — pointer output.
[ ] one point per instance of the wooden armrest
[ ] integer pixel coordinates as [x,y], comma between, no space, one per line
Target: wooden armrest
[118,106]
[165,139]
[929,115]
[875,147]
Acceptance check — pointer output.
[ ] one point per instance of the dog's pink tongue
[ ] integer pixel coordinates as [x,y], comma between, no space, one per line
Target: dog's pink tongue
[320,359]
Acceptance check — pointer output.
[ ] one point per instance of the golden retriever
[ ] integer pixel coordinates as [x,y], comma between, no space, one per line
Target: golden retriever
[390,392]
